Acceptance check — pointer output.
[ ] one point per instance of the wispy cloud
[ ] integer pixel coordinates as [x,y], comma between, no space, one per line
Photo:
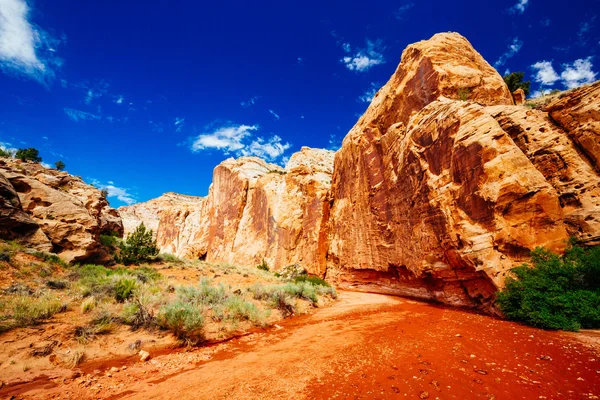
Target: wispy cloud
[119,99]
[250,102]
[8,147]
[545,22]
[179,122]
[400,14]
[545,75]
[78,115]
[513,49]
[157,127]
[241,141]
[367,97]
[274,114]
[362,60]
[335,142]
[584,29]
[578,73]
[520,7]
[25,48]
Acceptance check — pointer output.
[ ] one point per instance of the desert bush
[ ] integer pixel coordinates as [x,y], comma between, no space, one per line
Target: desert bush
[50,258]
[238,308]
[463,94]
[124,287]
[203,294]
[139,246]
[100,281]
[556,292]
[263,265]
[88,304]
[139,311]
[110,240]
[59,165]
[313,280]
[515,81]
[166,257]
[29,154]
[184,320]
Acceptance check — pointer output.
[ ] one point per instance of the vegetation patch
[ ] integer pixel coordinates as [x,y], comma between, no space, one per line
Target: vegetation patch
[556,292]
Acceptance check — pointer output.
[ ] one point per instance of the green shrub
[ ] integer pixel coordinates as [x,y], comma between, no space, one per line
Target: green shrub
[263,265]
[109,240]
[59,165]
[184,320]
[313,280]
[124,288]
[139,246]
[240,309]
[166,257]
[556,292]
[5,152]
[29,154]
[515,81]
[50,258]
[203,294]
[100,281]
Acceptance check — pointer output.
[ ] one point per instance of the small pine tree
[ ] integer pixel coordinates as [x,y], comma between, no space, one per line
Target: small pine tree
[139,246]
[515,81]
[29,154]
[59,165]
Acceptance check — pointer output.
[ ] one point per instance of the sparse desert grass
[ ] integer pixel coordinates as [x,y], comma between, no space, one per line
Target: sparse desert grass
[184,320]
[23,310]
[169,258]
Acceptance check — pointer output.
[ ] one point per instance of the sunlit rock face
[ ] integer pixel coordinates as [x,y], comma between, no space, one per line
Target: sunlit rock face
[56,211]
[437,197]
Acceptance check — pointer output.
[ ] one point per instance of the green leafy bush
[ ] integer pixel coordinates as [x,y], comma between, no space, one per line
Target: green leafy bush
[313,280]
[139,246]
[515,81]
[29,154]
[556,292]
[59,165]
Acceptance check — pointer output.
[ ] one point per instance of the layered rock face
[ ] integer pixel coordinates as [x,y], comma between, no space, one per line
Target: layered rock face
[54,211]
[253,211]
[437,198]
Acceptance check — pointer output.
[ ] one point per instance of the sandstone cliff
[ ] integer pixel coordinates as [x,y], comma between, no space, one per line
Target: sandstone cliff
[253,211]
[437,198]
[439,189]
[53,211]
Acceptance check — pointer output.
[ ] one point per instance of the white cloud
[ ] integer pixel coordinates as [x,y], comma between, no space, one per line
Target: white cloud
[335,142]
[363,59]
[401,13]
[119,100]
[520,7]
[270,149]
[78,115]
[113,191]
[179,121]
[578,73]
[250,102]
[238,139]
[584,28]
[367,97]
[274,114]
[46,165]
[513,49]
[157,127]
[8,147]
[26,49]
[546,75]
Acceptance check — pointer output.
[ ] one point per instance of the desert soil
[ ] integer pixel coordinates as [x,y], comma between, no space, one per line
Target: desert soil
[365,346]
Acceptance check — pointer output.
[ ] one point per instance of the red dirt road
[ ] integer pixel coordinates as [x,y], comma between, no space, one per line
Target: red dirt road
[365,346]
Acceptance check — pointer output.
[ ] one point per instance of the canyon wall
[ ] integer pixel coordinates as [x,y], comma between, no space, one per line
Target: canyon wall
[253,211]
[441,187]
[53,211]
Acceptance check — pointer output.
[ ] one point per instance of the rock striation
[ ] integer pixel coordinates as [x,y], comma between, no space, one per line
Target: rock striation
[53,211]
[441,187]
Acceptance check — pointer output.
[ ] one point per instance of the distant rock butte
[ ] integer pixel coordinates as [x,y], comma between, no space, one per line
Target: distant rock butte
[53,211]
[430,196]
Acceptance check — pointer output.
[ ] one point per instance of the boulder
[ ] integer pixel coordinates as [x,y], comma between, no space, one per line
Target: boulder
[519,97]
[68,212]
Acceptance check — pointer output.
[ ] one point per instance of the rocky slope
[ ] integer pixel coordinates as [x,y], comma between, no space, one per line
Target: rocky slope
[439,189]
[53,211]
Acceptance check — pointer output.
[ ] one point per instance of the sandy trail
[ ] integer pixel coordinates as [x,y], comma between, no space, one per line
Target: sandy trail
[365,346]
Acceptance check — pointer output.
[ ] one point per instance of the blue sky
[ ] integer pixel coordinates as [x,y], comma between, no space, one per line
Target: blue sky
[148,97]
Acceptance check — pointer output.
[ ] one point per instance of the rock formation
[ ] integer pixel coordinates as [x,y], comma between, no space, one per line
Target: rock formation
[439,189]
[54,211]
[253,211]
